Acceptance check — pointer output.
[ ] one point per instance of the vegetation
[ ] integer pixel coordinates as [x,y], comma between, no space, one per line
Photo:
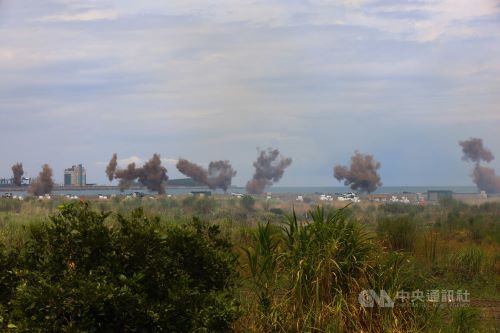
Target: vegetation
[217,264]
[247,202]
[78,273]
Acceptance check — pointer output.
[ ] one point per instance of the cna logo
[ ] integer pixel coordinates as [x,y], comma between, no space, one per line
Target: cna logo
[368,299]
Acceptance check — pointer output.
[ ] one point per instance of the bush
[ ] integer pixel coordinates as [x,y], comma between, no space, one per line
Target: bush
[79,273]
[247,202]
[398,232]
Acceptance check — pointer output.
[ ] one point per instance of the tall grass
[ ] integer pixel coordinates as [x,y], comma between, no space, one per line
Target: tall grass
[468,263]
[399,233]
[466,320]
[307,277]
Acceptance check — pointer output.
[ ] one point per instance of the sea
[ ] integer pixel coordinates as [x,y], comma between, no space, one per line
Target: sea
[300,190]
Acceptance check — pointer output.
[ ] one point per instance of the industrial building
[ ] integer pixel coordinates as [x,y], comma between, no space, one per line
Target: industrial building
[9,182]
[439,195]
[75,176]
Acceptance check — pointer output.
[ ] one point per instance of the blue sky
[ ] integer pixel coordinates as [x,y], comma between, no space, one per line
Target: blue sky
[207,80]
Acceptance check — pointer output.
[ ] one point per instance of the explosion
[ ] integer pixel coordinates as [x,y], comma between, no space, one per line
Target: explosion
[269,168]
[218,175]
[152,175]
[17,172]
[43,184]
[362,174]
[485,178]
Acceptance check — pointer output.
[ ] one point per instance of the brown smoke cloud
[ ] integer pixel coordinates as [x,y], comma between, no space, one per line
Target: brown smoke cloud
[269,168]
[43,184]
[126,176]
[218,175]
[362,174]
[485,178]
[474,151]
[152,175]
[17,172]
[193,171]
[111,168]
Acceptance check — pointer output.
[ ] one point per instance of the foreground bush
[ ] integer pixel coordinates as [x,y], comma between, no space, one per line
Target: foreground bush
[80,273]
[307,276]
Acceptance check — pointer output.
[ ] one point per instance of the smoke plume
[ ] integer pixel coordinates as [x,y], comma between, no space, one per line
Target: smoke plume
[111,168]
[43,184]
[218,175]
[152,175]
[269,168]
[362,174]
[126,176]
[485,178]
[193,171]
[17,172]
[474,151]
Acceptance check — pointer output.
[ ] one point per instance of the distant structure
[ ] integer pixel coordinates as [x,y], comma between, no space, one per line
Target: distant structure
[5,181]
[9,182]
[201,193]
[75,176]
[439,195]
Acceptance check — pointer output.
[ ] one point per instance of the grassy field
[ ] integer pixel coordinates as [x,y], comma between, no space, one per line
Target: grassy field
[300,267]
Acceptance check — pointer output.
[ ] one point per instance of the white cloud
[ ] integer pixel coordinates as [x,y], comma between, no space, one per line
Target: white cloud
[83,16]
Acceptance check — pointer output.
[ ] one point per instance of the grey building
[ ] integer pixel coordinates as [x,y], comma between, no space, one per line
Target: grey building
[75,176]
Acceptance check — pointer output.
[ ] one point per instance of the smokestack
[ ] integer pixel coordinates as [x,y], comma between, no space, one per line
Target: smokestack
[269,168]
[17,172]
[111,168]
[218,175]
[362,174]
[485,178]
[152,175]
[43,184]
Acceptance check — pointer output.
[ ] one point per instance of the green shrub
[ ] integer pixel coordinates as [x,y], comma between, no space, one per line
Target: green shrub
[247,202]
[398,232]
[80,273]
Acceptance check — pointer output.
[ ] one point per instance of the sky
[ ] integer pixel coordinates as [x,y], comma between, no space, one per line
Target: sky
[210,80]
